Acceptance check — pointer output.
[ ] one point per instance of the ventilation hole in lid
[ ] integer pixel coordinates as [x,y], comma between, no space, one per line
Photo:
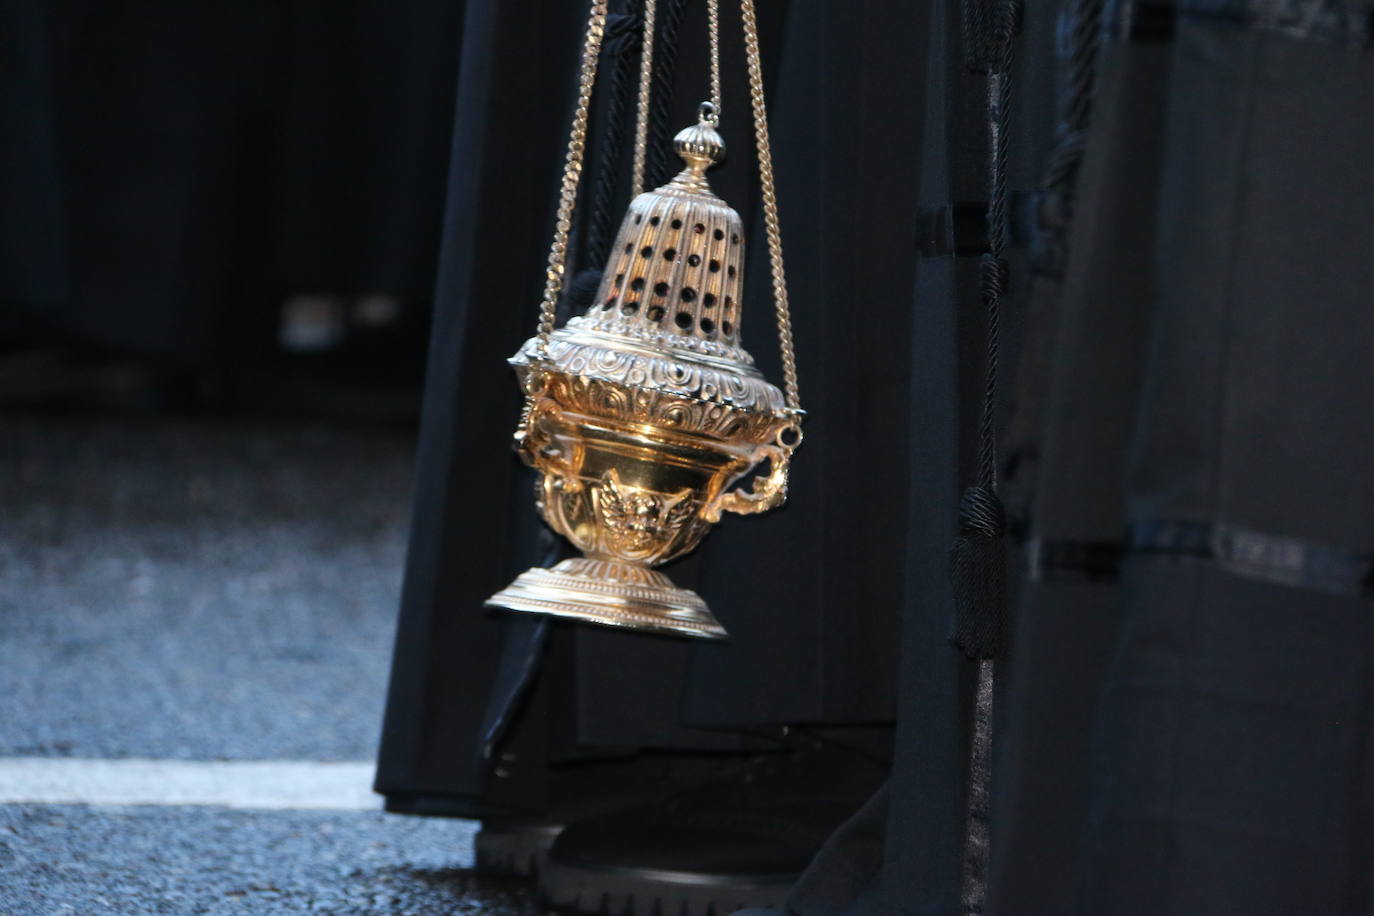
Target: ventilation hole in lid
[628,247]
[654,312]
[619,279]
[731,271]
[647,251]
[683,320]
[708,300]
[734,239]
[661,289]
[694,259]
[629,308]
[708,325]
[676,224]
[637,284]
[639,218]
[608,303]
[727,328]
[698,228]
[729,302]
[714,265]
[669,254]
[719,234]
[654,221]
[688,294]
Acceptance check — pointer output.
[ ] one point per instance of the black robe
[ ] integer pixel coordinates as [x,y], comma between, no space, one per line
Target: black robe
[1183,718]
[811,594]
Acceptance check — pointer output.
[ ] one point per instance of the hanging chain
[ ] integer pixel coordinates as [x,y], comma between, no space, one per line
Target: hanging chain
[770,203]
[713,31]
[577,146]
[646,73]
[572,175]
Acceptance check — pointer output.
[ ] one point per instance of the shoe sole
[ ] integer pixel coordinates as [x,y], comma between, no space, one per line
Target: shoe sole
[645,892]
[514,852]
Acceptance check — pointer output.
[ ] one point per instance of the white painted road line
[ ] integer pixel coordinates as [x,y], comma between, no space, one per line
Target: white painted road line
[263,784]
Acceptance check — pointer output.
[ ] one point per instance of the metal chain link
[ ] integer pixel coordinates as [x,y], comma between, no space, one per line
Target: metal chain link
[770,203]
[646,73]
[572,176]
[713,31]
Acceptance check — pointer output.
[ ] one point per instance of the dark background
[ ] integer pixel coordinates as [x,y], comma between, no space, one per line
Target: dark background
[223,206]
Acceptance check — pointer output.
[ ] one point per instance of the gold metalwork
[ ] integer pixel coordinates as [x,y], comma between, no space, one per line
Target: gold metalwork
[713,35]
[572,171]
[770,202]
[643,414]
[647,409]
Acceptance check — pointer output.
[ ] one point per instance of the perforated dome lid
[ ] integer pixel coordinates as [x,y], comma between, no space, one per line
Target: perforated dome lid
[678,262]
[668,306]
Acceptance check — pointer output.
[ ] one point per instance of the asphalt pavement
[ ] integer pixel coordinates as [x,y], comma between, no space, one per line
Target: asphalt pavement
[170,861]
[208,590]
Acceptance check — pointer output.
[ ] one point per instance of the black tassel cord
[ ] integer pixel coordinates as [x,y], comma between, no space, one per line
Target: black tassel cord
[1057,190]
[978,575]
[978,560]
[658,161]
[621,48]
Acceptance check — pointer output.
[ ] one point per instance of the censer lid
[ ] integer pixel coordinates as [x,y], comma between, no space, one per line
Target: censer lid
[667,312]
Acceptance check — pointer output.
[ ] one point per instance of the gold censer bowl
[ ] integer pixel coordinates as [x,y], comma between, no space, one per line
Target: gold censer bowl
[644,412]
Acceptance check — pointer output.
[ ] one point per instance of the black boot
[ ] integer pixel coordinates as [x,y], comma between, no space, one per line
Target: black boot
[516,844]
[741,840]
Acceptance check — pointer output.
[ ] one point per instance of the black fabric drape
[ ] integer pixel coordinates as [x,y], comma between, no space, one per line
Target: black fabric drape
[812,594]
[903,852]
[471,497]
[1049,704]
[814,640]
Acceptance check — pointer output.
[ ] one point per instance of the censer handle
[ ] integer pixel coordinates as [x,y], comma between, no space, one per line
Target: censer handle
[767,492]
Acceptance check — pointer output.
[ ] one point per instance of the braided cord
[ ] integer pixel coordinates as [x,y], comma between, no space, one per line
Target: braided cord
[1087,25]
[993,269]
[1078,100]
[646,71]
[973,21]
[977,559]
[659,151]
[619,47]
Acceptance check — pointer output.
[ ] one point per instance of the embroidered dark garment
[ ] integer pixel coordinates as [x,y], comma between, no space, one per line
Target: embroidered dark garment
[1186,715]
[1341,22]
[1256,555]
[1188,707]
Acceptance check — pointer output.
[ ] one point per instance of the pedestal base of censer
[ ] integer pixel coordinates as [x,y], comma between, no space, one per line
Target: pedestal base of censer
[610,593]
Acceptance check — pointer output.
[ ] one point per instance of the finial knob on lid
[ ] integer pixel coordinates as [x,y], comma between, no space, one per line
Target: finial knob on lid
[700,146]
